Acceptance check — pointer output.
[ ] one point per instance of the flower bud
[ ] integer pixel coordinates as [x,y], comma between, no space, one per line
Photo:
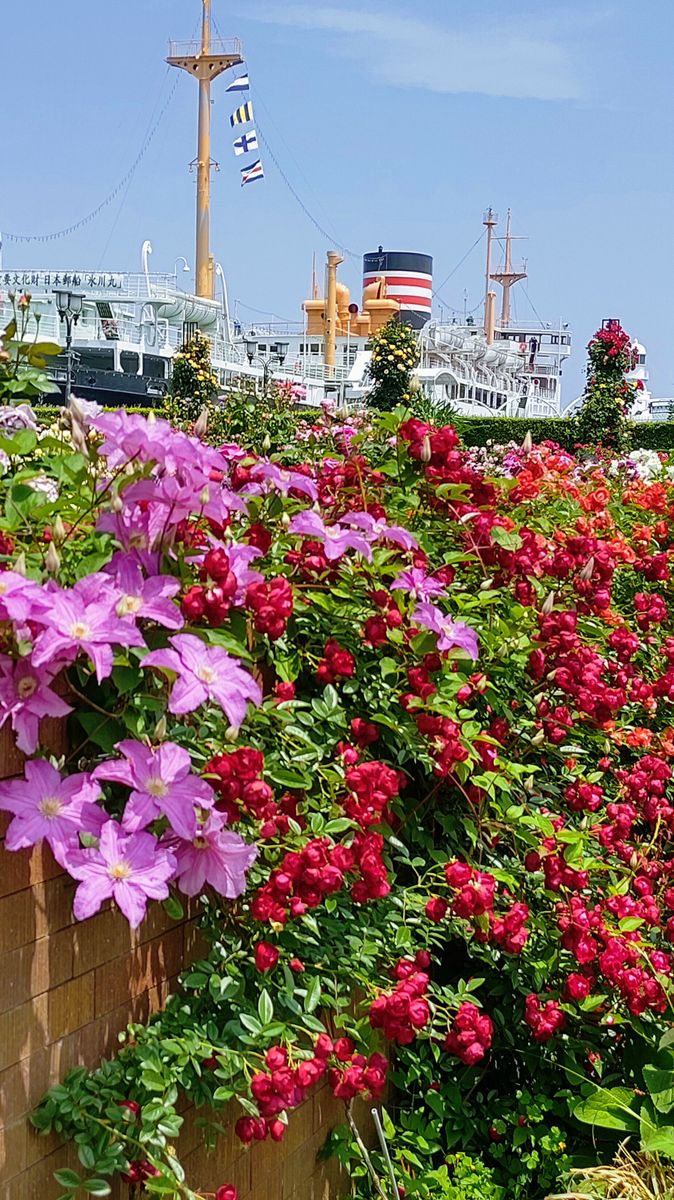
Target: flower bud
[538,738]
[19,564]
[231,734]
[528,442]
[587,570]
[151,417]
[486,585]
[203,496]
[52,561]
[201,424]
[266,443]
[58,531]
[160,729]
[548,604]
[426,451]
[285,520]
[117,504]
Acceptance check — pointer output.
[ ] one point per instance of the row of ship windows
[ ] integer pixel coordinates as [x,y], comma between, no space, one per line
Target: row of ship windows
[548,339]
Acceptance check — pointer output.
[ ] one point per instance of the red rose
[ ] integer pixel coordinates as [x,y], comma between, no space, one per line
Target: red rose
[266,956]
[436,909]
[227,1192]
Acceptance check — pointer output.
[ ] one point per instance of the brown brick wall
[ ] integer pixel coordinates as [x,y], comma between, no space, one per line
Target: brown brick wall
[67,989]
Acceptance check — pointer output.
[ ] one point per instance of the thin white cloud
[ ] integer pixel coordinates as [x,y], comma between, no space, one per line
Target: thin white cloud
[406,52]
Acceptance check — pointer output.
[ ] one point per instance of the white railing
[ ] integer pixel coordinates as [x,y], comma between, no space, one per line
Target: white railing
[218,48]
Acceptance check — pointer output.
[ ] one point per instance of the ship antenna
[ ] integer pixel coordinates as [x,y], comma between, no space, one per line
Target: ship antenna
[204,61]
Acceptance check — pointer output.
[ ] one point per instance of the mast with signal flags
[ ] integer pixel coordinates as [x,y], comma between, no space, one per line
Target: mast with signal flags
[204,61]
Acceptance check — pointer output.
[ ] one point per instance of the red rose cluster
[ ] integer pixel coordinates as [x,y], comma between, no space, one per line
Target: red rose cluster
[282,1088]
[474,896]
[211,600]
[544,1020]
[372,786]
[336,662]
[471,1034]
[236,777]
[304,879]
[403,1011]
[272,603]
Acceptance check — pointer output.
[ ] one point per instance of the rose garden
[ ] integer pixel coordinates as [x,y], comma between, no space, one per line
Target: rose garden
[390,719]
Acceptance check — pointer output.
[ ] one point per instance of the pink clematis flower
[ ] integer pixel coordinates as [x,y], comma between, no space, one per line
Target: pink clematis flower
[26,697]
[140,597]
[163,785]
[216,856]
[284,480]
[336,538]
[377,529]
[77,621]
[205,673]
[129,868]
[19,597]
[418,584]
[451,634]
[46,806]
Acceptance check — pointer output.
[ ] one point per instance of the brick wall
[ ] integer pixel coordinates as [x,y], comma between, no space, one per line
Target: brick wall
[68,988]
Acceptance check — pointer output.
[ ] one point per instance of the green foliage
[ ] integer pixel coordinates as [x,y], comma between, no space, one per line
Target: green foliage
[23,362]
[395,354]
[264,422]
[194,384]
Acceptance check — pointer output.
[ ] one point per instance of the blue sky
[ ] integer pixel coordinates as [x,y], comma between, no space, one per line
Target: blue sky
[396,124]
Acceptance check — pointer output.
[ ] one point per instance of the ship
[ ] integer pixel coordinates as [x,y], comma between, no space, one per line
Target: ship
[124,328]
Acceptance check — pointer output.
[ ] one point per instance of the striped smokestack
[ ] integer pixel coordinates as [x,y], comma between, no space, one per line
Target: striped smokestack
[409,280]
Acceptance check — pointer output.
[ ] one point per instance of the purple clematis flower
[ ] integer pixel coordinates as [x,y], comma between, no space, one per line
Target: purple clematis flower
[284,480]
[19,597]
[26,697]
[451,634]
[205,673]
[76,621]
[418,584]
[46,806]
[378,529]
[216,856]
[171,501]
[142,597]
[163,785]
[127,868]
[336,538]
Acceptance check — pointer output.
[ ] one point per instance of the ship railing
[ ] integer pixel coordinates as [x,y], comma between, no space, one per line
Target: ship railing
[275,329]
[218,48]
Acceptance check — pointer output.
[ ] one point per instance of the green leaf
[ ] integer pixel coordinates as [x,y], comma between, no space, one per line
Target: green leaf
[313,995]
[97,1187]
[610,1108]
[659,1079]
[21,443]
[174,908]
[67,1178]
[265,1007]
[250,1023]
[289,779]
[655,1138]
[509,539]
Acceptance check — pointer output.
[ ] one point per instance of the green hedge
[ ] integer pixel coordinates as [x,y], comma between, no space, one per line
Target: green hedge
[48,413]
[477,431]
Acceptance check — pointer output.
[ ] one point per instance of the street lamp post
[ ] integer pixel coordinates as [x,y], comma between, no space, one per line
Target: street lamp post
[278,354]
[69,305]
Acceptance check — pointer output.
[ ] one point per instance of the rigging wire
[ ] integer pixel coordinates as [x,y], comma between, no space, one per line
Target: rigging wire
[329,237]
[128,186]
[533,307]
[123,183]
[436,291]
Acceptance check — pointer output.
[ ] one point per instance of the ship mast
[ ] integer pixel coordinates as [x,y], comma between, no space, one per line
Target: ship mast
[508,277]
[204,61]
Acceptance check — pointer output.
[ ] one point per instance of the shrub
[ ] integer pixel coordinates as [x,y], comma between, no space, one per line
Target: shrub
[395,354]
[438,702]
[603,419]
[194,384]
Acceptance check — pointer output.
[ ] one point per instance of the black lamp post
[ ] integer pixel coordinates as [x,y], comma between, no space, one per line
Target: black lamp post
[278,354]
[69,305]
